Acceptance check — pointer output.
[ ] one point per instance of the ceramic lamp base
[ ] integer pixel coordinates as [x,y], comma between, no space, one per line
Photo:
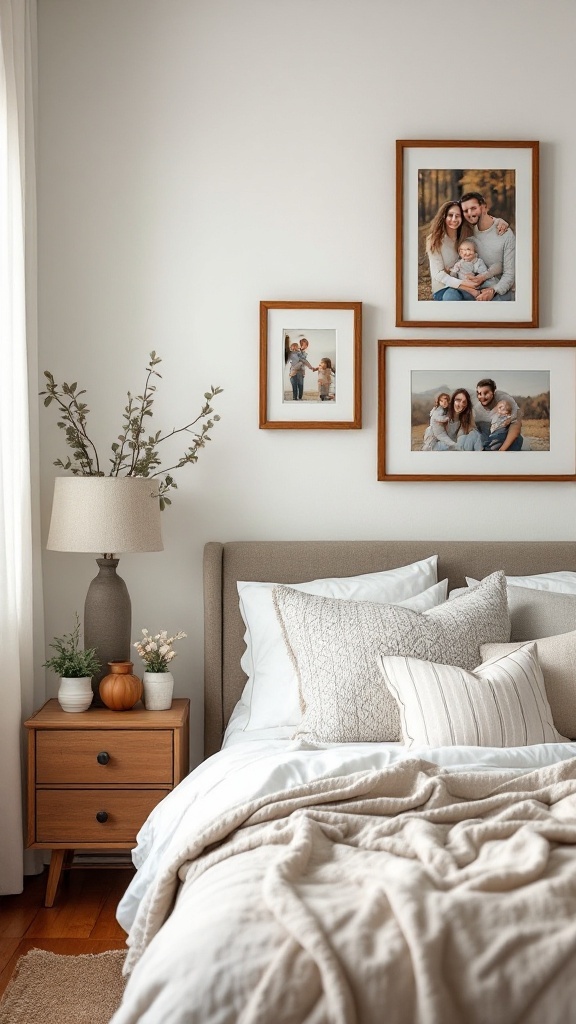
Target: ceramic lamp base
[107,619]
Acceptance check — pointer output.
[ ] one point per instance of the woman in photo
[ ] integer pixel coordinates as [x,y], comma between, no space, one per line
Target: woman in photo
[460,432]
[447,231]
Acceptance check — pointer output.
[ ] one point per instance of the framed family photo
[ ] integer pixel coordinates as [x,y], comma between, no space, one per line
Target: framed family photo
[466,234]
[467,410]
[310,365]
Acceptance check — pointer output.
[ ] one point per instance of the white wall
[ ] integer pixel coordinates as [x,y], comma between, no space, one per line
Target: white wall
[197,156]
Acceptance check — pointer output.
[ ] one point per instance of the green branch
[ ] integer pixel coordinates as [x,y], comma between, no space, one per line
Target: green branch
[132,453]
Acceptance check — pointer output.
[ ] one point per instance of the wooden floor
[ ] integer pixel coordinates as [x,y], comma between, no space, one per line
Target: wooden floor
[82,919]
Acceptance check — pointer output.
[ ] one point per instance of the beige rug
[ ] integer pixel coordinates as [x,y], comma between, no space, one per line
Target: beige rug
[48,988]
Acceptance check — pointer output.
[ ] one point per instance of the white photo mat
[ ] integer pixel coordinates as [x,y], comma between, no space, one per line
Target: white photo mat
[418,158]
[302,320]
[485,360]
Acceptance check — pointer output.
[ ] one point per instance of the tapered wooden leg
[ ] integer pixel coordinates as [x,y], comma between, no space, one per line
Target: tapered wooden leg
[54,873]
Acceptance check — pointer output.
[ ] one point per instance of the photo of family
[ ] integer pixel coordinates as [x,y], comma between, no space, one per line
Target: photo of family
[467,235]
[479,411]
[309,365]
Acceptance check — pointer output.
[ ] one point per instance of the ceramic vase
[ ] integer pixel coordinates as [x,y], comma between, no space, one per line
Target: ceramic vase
[120,689]
[158,690]
[75,694]
[107,618]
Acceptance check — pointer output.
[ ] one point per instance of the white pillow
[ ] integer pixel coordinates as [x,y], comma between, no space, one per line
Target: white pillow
[236,731]
[501,703]
[271,692]
[335,644]
[563,582]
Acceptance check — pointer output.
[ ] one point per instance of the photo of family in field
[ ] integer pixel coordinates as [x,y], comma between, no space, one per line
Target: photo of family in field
[309,365]
[476,411]
[466,235]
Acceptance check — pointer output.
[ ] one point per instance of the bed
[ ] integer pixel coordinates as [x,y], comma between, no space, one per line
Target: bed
[389,829]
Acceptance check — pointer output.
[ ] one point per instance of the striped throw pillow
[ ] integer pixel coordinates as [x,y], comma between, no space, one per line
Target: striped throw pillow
[557,658]
[501,703]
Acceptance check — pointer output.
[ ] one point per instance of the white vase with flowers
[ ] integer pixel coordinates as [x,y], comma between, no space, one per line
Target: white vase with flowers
[157,653]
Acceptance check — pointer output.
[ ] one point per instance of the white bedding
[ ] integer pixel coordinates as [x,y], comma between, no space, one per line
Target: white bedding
[193,960]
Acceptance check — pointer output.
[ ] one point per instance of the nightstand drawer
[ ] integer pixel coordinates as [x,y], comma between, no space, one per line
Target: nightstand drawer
[69,816]
[71,756]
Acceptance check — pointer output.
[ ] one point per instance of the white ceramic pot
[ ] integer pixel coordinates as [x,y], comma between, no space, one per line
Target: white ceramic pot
[75,694]
[158,690]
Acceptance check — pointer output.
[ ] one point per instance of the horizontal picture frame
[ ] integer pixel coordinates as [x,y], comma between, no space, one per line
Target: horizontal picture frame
[477,410]
[310,365]
[467,233]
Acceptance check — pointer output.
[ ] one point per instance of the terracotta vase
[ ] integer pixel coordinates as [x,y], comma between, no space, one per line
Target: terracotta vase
[120,689]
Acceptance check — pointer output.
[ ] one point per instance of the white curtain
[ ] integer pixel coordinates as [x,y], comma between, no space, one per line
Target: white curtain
[18,445]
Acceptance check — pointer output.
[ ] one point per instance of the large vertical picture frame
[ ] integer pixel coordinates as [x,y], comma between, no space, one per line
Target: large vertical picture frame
[310,365]
[477,410]
[466,234]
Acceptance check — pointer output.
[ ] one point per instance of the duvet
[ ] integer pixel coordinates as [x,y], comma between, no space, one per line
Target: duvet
[355,884]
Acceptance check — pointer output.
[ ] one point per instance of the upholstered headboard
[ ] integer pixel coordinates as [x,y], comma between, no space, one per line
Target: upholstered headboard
[297,561]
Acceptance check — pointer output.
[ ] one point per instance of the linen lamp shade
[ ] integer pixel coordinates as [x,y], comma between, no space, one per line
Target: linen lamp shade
[105,513]
[110,515]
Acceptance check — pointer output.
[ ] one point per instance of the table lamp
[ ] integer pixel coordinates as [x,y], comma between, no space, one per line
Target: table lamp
[110,515]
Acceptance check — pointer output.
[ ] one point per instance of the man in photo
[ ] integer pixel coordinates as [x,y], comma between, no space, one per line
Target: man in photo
[498,251]
[487,398]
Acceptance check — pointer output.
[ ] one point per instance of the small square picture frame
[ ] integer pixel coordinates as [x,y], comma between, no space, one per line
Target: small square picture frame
[310,365]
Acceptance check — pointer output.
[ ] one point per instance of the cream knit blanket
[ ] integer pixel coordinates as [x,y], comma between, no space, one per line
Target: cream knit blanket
[404,895]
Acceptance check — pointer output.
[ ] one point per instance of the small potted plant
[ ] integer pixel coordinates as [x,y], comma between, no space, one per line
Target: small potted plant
[75,666]
[157,653]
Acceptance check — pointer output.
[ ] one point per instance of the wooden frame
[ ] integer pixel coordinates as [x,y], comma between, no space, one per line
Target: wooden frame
[332,332]
[411,375]
[506,174]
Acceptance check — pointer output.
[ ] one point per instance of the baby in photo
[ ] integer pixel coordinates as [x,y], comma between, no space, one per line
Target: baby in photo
[469,262]
[499,425]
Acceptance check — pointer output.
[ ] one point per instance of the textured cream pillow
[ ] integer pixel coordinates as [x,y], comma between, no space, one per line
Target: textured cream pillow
[502,703]
[334,646]
[271,690]
[557,657]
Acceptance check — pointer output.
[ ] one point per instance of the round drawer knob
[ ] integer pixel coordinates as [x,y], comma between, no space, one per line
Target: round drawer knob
[103,757]
[102,816]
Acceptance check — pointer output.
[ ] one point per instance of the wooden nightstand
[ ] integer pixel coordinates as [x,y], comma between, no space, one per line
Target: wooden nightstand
[94,777]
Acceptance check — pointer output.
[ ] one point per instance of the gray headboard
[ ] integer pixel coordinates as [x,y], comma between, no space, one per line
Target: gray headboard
[297,561]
